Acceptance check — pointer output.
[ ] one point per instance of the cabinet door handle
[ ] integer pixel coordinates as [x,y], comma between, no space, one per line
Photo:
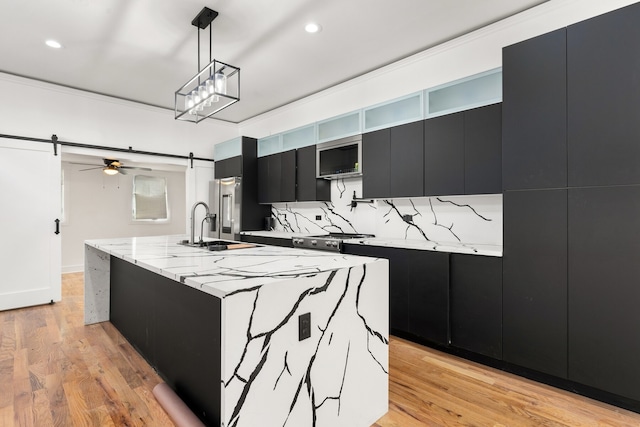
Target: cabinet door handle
[57,221]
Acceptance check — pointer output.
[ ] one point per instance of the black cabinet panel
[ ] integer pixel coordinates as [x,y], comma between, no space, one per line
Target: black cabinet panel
[263,179]
[428,276]
[274,177]
[476,304]
[483,150]
[376,151]
[604,273]
[135,321]
[309,188]
[288,176]
[534,128]
[406,164]
[398,282]
[175,328]
[604,94]
[444,155]
[228,167]
[273,241]
[535,280]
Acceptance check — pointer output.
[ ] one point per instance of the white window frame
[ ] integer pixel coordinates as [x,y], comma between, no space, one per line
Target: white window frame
[133,202]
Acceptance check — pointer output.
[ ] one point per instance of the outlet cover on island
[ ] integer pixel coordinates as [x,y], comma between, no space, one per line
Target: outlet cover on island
[318,217]
[304,326]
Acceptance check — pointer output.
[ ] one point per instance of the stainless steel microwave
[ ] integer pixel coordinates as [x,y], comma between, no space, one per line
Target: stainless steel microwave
[341,158]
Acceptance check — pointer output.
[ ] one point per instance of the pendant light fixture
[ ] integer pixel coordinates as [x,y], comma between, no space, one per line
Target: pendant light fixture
[213,88]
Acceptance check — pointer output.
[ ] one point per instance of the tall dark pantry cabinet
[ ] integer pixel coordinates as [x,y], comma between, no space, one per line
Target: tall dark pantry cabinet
[571,181]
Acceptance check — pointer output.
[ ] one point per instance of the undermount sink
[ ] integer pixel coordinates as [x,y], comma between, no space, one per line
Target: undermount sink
[218,245]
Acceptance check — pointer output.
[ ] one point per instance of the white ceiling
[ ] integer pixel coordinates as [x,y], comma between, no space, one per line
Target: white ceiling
[144,50]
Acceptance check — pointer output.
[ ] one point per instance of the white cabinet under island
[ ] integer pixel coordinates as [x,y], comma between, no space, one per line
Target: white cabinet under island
[223,328]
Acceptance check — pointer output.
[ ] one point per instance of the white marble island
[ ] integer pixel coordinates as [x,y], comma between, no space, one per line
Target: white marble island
[336,377]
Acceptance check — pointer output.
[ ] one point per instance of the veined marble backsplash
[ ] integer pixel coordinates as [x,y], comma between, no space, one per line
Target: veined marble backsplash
[460,219]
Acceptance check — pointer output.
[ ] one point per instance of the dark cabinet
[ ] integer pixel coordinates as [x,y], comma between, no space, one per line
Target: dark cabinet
[277,177]
[405,160]
[309,188]
[535,280]
[418,290]
[398,282]
[534,129]
[428,280]
[392,162]
[476,304]
[288,176]
[483,150]
[604,94]
[263,240]
[376,151]
[463,152]
[157,316]
[228,167]
[444,155]
[604,271]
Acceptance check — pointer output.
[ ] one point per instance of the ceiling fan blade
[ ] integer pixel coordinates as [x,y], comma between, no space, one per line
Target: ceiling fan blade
[134,167]
[123,172]
[85,164]
[90,169]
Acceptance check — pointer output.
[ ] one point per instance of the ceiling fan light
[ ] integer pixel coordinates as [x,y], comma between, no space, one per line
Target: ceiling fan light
[110,170]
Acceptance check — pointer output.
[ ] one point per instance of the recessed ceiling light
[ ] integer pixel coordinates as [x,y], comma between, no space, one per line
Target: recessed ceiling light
[312,27]
[54,44]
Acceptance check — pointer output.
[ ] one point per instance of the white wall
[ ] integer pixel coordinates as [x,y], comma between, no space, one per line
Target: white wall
[37,109]
[98,206]
[470,54]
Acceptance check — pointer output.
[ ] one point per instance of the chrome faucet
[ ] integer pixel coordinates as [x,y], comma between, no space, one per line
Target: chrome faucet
[193,221]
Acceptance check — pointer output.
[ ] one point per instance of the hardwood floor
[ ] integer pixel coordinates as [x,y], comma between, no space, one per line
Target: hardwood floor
[54,371]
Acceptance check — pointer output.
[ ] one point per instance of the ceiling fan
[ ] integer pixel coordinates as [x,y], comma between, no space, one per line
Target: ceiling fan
[113,167]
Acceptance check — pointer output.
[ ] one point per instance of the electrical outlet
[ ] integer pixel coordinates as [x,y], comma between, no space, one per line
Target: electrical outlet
[407,218]
[304,326]
[318,217]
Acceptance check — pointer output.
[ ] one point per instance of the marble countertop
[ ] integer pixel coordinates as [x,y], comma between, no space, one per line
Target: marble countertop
[221,273]
[424,245]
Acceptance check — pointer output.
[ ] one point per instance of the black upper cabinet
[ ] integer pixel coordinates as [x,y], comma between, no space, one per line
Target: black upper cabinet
[534,139]
[228,167]
[309,188]
[604,267]
[406,165]
[444,155]
[476,304]
[288,176]
[376,151]
[535,280]
[604,95]
[483,150]
[272,178]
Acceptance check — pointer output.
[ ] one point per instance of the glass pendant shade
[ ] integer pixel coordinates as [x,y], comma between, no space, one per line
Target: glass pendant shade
[220,81]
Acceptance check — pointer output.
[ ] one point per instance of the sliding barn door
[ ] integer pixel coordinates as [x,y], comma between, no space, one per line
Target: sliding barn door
[30,186]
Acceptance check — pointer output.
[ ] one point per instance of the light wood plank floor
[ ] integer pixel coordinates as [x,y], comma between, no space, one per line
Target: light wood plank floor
[54,371]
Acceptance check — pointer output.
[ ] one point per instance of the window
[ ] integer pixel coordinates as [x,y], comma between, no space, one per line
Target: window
[149,198]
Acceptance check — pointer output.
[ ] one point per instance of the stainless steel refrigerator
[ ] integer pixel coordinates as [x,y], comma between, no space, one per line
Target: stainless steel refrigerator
[225,196]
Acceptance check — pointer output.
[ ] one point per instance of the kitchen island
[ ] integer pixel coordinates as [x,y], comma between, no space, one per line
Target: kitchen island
[263,335]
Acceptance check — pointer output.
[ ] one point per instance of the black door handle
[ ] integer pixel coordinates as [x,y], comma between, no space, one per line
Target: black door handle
[57,226]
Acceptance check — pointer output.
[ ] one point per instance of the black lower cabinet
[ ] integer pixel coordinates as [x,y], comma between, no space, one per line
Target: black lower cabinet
[476,304]
[535,280]
[398,284]
[418,291]
[428,277]
[175,328]
[604,288]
